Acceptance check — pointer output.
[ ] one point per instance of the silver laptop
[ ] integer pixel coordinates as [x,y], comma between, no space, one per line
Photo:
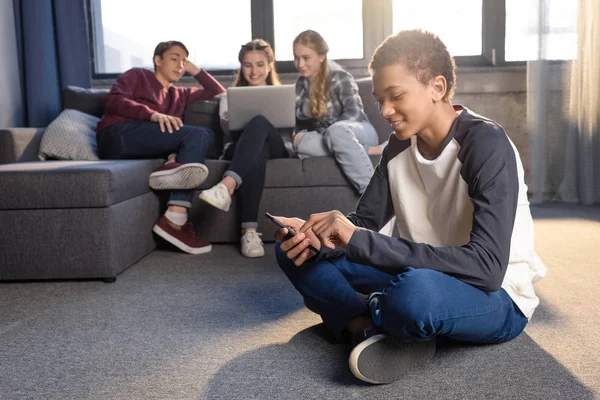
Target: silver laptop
[275,103]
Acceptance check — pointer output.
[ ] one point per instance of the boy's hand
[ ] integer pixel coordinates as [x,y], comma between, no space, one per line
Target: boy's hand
[167,121]
[332,228]
[296,248]
[191,68]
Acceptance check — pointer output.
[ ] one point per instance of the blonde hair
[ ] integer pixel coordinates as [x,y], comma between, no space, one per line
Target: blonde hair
[257,45]
[317,93]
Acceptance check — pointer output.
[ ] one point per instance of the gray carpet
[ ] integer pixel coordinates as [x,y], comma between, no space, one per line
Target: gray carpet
[219,326]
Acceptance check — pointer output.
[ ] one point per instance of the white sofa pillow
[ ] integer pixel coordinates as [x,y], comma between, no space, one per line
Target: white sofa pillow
[71,136]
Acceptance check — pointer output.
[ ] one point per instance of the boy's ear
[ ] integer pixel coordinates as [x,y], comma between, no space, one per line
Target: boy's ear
[439,86]
[157,60]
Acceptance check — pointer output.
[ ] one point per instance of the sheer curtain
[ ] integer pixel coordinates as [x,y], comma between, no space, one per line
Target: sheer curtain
[563,111]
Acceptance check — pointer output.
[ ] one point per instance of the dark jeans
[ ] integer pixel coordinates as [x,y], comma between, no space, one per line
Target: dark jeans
[257,143]
[416,305]
[143,139]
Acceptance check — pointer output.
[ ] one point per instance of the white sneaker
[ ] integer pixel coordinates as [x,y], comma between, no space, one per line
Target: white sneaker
[252,246]
[217,196]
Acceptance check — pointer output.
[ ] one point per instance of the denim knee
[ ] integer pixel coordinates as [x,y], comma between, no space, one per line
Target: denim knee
[258,128]
[201,134]
[339,133]
[408,305]
[259,122]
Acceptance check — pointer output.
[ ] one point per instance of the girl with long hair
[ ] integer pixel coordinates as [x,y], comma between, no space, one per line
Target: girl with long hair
[330,116]
[249,148]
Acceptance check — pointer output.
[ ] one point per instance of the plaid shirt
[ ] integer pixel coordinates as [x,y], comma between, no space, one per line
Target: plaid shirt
[343,101]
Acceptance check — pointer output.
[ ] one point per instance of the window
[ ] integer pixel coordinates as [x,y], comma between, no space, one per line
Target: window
[457,23]
[537,29]
[122,42]
[477,32]
[340,26]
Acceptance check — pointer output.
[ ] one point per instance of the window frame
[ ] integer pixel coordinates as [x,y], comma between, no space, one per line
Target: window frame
[377,25]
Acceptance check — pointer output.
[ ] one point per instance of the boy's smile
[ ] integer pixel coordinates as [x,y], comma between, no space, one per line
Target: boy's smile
[403,101]
[412,107]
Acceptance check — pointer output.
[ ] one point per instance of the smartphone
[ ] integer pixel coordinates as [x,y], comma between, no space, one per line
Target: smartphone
[290,233]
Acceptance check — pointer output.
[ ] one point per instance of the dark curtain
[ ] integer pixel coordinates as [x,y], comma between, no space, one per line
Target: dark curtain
[53,52]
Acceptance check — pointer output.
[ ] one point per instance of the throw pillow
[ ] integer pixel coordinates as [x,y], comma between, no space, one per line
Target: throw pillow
[71,136]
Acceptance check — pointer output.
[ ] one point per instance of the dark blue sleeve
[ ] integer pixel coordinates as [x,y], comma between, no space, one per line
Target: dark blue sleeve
[489,168]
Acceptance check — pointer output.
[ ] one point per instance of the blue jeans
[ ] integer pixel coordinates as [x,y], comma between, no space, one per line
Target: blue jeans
[349,142]
[416,305]
[143,139]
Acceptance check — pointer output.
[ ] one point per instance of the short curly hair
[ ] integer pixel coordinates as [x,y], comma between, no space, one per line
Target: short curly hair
[422,52]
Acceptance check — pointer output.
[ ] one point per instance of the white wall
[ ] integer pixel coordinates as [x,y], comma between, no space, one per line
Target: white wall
[11,101]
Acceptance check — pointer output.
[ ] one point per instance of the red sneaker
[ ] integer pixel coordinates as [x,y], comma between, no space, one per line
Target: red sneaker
[175,176]
[183,237]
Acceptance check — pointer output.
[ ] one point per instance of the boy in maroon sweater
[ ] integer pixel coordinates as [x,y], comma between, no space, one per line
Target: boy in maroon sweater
[142,119]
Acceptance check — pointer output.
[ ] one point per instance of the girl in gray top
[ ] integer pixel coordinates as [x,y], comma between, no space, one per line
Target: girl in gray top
[330,119]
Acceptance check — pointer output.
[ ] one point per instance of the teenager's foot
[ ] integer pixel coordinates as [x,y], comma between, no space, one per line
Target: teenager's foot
[252,245]
[356,337]
[217,196]
[175,176]
[181,236]
[384,359]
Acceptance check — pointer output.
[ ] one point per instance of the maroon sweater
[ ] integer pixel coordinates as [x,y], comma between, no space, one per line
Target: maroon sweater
[137,94]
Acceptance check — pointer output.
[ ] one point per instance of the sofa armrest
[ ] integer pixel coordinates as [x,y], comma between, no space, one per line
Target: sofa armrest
[20,144]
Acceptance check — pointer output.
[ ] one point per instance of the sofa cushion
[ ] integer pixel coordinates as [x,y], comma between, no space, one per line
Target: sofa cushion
[287,173]
[20,144]
[89,101]
[71,136]
[206,113]
[314,171]
[365,89]
[73,184]
[291,172]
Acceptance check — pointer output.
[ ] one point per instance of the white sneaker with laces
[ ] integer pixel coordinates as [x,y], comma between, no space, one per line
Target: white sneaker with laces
[217,196]
[252,245]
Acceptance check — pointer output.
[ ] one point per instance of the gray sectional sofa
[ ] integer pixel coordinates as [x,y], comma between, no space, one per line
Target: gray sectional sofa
[93,219]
